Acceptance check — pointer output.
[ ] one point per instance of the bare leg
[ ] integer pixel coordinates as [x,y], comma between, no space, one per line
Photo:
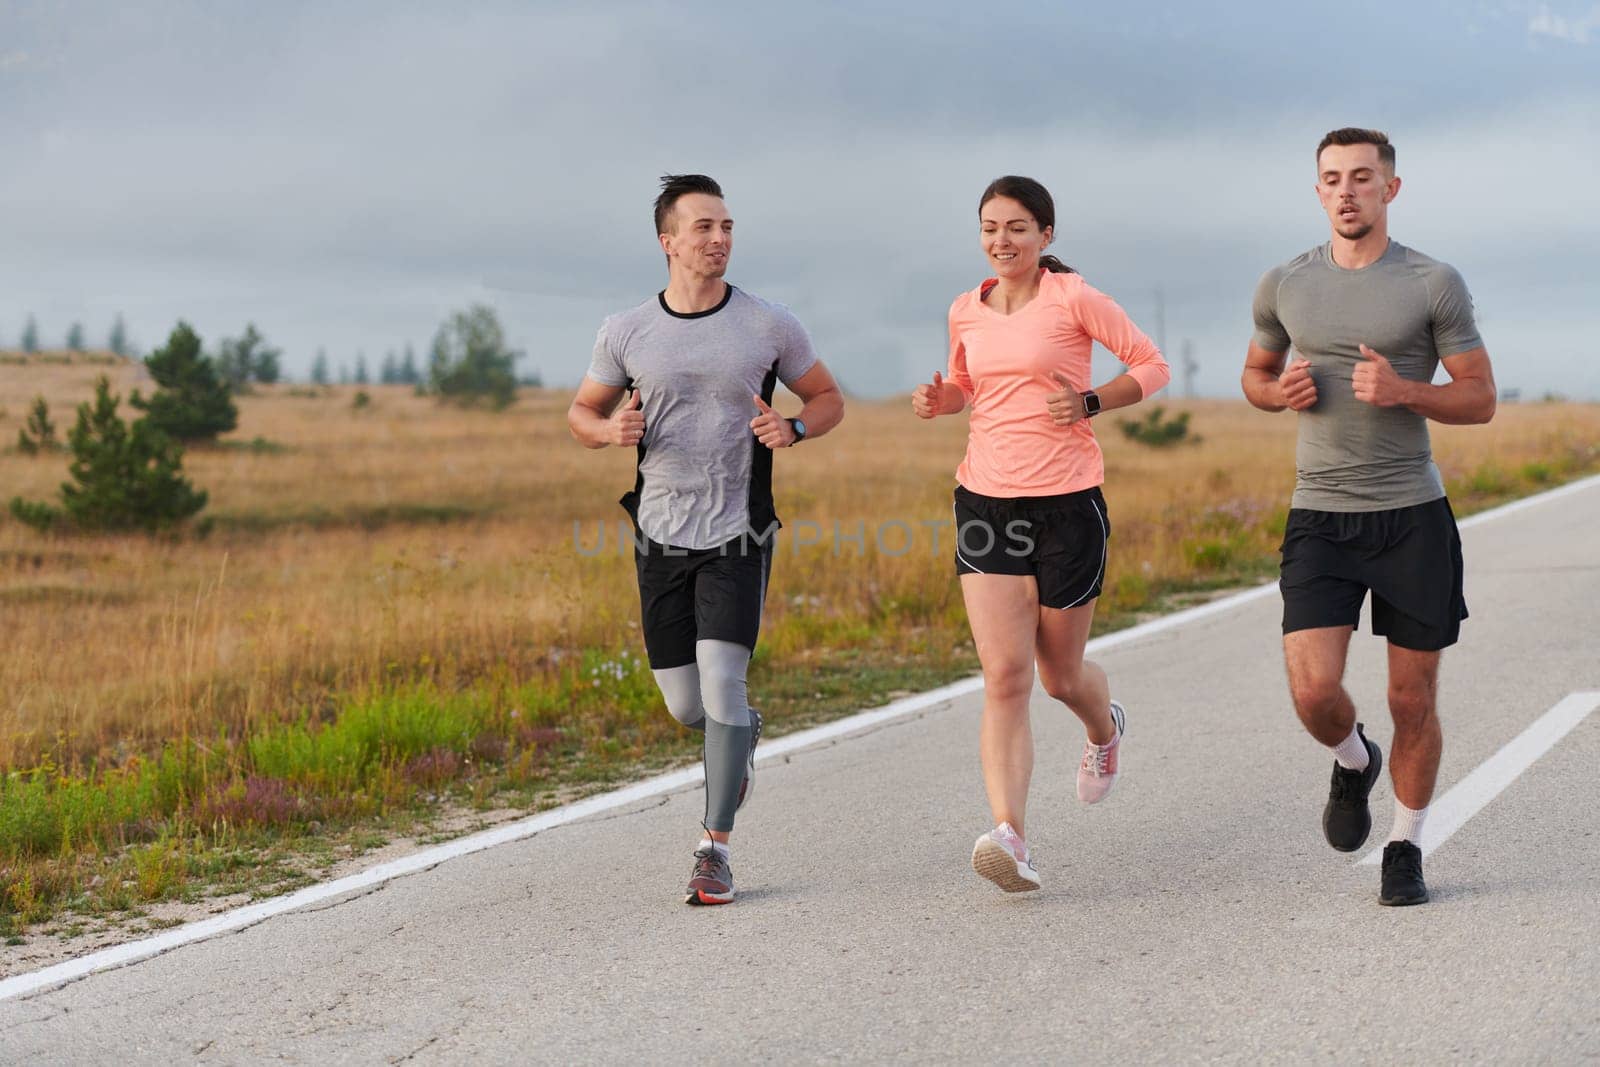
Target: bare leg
[1315,659]
[1004,612]
[1418,737]
[1078,683]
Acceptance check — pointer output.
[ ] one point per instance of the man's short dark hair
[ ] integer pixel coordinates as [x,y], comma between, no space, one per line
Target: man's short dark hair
[674,186]
[1356,135]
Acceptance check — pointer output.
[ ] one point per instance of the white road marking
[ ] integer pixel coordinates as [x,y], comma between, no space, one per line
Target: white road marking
[1466,798]
[249,915]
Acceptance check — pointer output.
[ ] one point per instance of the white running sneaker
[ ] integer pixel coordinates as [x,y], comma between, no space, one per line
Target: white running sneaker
[1002,857]
[1098,771]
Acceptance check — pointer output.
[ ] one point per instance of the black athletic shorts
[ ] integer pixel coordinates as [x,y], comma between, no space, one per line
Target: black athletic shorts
[1059,540]
[709,594]
[1410,559]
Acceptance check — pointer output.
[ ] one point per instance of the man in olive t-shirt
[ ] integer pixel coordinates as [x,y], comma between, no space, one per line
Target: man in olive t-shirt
[1369,321]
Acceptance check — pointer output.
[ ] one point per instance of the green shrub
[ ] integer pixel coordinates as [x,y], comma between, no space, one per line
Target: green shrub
[1157,431]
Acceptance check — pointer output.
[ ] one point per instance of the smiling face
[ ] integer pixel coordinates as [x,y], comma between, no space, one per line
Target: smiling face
[699,237]
[1355,188]
[1011,238]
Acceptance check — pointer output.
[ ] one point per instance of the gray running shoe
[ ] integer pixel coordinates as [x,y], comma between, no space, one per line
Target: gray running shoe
[712,880]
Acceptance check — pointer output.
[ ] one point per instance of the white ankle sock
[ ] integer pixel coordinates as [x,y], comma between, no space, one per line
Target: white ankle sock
[1351,753]
[1407,824]
[706,842]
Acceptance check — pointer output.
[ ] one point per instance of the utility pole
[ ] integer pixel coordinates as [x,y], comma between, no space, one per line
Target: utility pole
[1190,367]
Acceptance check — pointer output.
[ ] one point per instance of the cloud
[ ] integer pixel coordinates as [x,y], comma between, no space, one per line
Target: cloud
[1574,30]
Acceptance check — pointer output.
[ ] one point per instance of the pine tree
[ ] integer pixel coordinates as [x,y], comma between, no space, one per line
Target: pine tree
[361,377]
[30,336]
[409,375]
[193,403]
[118,341]
[122,478]
[389,373]
[470,363]
[40,433]
[75,337]
[319,368]
[245,359]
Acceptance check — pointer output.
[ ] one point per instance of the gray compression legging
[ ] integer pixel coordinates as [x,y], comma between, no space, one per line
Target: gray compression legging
[710,695]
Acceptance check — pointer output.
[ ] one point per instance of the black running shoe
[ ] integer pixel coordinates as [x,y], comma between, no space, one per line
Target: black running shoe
[1402,875]
[748,786]
[1346,820]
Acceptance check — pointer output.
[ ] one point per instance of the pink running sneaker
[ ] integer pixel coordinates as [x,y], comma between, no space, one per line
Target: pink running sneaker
[1002,857]
[1098,771]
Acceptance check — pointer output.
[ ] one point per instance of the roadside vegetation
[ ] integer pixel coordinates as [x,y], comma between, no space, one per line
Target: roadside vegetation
[405,607]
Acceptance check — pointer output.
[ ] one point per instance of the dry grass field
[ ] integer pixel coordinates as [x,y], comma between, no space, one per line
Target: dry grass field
[448,557]
[405,540]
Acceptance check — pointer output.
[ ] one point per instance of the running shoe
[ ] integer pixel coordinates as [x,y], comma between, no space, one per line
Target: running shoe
[712,880]
[1001,857]
[1346,820]
[748,786]
[1402,875]
[1097,773]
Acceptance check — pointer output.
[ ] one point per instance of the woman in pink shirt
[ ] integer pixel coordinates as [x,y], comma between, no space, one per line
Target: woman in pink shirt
[1031,525]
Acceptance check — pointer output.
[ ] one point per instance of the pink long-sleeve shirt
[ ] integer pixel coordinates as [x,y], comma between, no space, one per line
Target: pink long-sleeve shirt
[1003,363]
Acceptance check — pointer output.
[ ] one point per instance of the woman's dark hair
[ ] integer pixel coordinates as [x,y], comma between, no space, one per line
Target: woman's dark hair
[1036,198]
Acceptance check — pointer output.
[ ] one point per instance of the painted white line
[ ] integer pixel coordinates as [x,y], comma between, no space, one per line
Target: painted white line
[1466,798]
[1531,501]
[249,915]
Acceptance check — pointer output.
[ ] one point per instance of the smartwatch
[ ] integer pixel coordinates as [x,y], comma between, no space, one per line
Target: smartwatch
[799,429]
[1091,403]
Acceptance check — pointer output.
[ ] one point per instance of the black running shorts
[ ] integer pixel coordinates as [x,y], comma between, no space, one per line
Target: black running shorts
[711,594]
[1410,559]
[1059,540]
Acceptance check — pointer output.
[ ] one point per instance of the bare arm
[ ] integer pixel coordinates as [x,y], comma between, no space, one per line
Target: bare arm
[1271,387]
[596,421]
[1467,398]
[822,408]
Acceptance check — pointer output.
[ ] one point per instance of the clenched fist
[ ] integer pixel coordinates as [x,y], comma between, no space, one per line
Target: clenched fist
[627,423]
[1299,388]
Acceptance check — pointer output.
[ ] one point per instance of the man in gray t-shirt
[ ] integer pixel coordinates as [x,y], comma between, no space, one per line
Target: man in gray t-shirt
[1369,322]
[698,363]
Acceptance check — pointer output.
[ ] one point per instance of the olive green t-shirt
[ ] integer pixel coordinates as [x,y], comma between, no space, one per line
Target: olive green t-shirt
[1413,310]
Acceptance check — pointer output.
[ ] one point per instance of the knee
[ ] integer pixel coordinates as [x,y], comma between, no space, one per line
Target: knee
[1411,705]
[1062,686]
[685,711]
[1315,696]
[1008,685]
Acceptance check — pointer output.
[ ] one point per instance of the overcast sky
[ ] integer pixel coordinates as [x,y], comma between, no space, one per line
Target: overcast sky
[346,174]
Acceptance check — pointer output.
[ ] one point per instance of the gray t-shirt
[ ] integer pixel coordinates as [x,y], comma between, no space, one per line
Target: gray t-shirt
[703,479]
[1351,455]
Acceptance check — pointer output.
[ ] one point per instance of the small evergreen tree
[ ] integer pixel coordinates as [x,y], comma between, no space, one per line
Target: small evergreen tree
[118,340]
[389,372]
[247,359]
[409,374]
[470,363]
[122,478]
[362,377]
[39,435]
[30,336]
[269,366]
[75,337]
[1159,432]
[192,403]
[319,368]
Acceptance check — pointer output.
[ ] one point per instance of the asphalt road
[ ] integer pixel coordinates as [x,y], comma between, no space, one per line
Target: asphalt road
[1196,915]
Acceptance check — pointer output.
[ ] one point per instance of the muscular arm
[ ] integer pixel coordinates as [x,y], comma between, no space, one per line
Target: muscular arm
[589,417]
[1467,398]
[822,403]
[1262,369]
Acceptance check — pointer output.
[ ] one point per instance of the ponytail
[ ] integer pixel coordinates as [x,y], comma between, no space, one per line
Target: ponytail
[1055,266]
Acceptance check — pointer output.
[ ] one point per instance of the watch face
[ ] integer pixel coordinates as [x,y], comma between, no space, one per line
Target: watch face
[799,427]
[1091,403]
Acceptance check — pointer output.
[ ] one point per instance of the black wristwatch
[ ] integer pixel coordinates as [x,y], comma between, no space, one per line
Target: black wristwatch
[799,429]
[1091,403]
